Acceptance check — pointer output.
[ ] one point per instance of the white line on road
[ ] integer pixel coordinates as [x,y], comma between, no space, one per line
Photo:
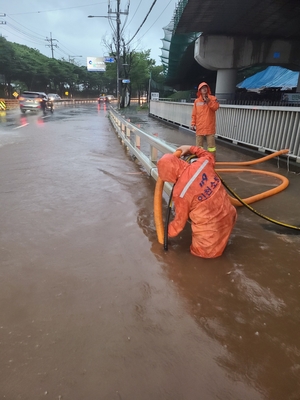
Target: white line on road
[20,126]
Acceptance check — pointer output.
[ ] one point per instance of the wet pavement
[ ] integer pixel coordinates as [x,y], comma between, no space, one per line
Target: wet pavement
[92,307]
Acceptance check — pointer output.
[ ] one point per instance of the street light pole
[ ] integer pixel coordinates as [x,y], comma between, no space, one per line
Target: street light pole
[118,53]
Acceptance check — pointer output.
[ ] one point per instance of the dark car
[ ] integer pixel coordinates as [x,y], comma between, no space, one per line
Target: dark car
[103,99]
[33,101]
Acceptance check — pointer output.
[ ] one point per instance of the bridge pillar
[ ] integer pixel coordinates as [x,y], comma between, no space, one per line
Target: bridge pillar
[298,85]
[225,85]
[227,54]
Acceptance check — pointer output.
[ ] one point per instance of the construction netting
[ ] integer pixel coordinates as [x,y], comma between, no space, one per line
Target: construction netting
[175,45]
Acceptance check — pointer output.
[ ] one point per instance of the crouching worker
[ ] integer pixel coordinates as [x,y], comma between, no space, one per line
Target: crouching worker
[198,194]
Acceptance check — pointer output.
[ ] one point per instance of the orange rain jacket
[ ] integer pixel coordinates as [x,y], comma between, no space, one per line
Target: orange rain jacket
[199,195]
[204,115]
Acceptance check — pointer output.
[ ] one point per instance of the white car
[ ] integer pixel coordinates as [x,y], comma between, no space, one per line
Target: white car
[32,101]
[53,97]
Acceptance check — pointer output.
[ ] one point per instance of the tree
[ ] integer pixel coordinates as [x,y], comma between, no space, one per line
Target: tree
[142,65]
[7,66]
[32,70]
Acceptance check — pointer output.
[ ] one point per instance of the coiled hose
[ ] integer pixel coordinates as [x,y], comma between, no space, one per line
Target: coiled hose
[162,231]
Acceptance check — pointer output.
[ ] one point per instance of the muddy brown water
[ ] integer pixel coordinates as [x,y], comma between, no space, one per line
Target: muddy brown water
[92,307]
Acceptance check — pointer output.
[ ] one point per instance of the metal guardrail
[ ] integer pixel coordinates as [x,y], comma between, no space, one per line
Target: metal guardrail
[264,128]
[9,104]
[135,139]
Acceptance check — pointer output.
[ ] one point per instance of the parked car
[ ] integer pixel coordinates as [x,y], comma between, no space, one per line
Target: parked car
[54,96]
[103,99]
[33,101]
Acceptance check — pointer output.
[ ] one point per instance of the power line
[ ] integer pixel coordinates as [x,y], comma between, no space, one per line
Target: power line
[60,48]
[28,40]
[58,9]
[142,22]
[66,48]
[140,37]
[38,40]
[36,37]
[135,12]
[62,53]
[157,18]
[36,33]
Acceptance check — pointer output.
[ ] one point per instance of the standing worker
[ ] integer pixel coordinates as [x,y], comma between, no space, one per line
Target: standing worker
[204,118]
[199,195]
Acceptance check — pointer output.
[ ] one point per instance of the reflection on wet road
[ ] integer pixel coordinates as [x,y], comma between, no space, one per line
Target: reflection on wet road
[92,306]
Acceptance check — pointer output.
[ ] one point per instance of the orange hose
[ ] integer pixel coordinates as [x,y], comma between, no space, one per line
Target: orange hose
[158,217]
[259,160]
[259,196]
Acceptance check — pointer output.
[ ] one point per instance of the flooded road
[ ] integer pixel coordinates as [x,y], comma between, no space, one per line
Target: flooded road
[92,307]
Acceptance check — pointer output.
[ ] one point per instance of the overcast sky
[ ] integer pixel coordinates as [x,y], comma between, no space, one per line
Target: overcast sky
[66,21]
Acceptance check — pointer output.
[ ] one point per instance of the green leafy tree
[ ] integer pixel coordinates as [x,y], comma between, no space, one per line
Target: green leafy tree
[142,65]
[135,67]
[30,67]
[8,65]
[27,68]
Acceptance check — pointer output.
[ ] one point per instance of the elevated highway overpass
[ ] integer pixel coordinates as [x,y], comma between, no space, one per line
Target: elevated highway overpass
[213,40]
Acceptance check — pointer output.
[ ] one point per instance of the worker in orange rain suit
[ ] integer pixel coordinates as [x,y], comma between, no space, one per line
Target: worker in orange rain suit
[199,195]
[204,117]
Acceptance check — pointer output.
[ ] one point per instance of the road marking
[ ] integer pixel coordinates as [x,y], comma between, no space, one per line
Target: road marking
[20,126]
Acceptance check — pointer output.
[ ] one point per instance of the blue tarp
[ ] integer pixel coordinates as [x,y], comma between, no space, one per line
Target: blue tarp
[272,77]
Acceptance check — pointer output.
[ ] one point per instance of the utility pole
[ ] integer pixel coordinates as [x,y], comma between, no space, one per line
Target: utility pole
[118,52]
[118,20]
[2,22]
[149,90]
[51,44]
[117,33]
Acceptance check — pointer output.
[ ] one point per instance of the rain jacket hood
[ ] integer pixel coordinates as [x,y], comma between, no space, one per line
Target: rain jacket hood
[170,167]
[200,86]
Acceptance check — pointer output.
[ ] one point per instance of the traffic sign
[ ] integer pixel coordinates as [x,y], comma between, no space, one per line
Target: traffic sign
[96,64]
[109,59]
[125,80]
